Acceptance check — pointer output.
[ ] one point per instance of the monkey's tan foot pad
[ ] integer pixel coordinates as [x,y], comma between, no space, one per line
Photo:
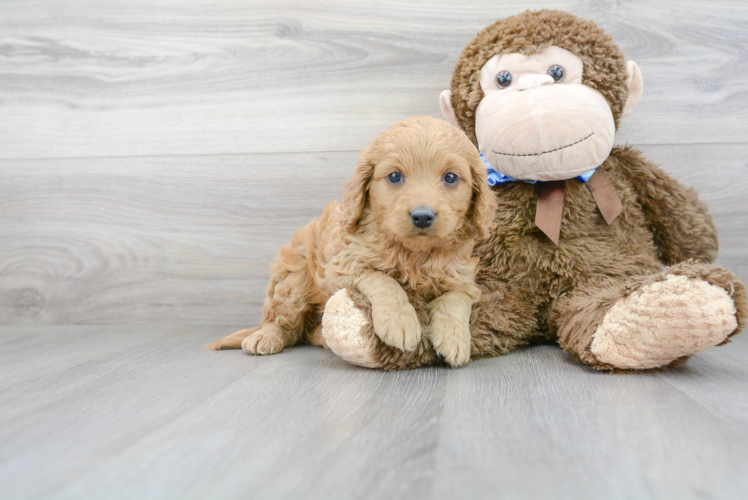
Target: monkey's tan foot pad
[344,327]
[664,321]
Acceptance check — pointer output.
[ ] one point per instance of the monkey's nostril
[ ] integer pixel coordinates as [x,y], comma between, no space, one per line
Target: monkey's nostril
[422,217]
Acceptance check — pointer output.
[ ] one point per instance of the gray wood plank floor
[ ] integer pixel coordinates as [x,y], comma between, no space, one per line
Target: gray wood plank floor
[143,412]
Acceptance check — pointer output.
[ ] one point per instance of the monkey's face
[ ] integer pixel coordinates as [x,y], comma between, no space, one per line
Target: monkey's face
[538,121]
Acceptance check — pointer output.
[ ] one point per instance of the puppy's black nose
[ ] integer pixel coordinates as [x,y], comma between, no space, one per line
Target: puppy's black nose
[422,217]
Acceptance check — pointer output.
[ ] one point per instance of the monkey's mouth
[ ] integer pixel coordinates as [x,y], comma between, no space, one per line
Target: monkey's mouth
[545,152]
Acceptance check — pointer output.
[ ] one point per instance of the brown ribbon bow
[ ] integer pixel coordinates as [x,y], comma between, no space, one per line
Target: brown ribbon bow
[551,203]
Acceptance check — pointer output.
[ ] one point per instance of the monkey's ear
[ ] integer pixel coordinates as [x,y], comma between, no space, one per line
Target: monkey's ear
[445,102]
[635,83]
[483,212]
[356,193]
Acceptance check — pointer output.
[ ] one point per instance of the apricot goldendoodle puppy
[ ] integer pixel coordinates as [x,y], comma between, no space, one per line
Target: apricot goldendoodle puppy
[406,228]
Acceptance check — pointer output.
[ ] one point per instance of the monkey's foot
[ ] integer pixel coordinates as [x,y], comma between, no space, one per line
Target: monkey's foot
[663,321]
[348,332]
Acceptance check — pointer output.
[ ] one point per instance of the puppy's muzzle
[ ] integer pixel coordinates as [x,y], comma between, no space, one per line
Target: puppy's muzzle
[422,217]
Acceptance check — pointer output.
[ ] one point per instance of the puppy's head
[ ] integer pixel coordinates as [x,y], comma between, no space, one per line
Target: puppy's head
[423,183]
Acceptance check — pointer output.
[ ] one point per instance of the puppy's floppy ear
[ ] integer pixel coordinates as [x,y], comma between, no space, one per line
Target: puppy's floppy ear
[483,211]
[357,192]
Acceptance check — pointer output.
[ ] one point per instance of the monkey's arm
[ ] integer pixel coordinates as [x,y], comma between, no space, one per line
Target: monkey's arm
[680,223]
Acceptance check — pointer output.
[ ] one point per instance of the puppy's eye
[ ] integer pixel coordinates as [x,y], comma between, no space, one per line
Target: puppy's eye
[504,79]
[557,73]
[395,178]
[450,179]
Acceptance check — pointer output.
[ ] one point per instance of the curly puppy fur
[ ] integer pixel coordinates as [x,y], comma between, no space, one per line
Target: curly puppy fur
[371,245]
[534,291]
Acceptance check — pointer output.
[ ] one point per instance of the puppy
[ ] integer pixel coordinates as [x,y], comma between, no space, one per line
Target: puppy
[407,225]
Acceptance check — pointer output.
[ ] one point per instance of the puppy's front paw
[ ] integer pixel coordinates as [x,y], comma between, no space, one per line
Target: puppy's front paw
[397,324]
[451,339]
[267,340]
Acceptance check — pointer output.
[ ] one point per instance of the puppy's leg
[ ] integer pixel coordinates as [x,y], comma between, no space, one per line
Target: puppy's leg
[263,339]
[289,302]
[394,318]
[314,336]
[268,339]
[233,341]
[449,329]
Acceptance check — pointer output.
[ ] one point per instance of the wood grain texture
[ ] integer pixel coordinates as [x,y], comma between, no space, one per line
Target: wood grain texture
[179,77]
[143,412]
[190,239]
[90,241]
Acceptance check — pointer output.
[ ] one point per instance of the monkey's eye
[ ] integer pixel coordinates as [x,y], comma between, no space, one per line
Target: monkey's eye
[395,178]
[450,179]
[504,79]
[556,72]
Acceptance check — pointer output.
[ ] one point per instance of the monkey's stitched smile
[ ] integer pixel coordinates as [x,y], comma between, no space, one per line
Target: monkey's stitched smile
[545,152]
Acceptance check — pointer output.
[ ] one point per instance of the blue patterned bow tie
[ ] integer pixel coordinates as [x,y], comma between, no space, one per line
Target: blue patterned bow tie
[495,177]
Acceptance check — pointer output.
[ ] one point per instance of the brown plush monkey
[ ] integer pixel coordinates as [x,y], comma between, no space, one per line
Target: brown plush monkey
[595,247]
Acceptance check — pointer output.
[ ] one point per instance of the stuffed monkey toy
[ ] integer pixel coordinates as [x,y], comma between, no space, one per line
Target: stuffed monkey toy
[595,248]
